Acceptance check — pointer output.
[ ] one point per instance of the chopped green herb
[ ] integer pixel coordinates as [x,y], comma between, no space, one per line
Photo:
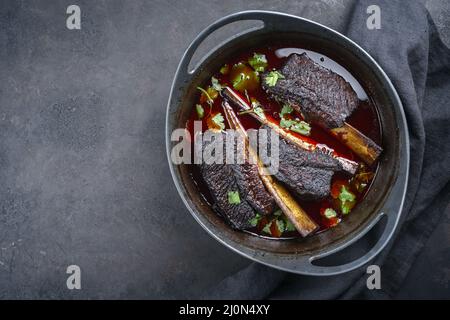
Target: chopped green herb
[225,69]
[266,228]
[286,123]
[287,109]
[233,197]
[216,85]
[272,78]
[280,225]
[258,62]
[200,111]
[255,220]
[301,127]
[345,195]
[289,225]
[345,208]
[330,213]
[259,112]
[347,200]
[256,108]
[219,121]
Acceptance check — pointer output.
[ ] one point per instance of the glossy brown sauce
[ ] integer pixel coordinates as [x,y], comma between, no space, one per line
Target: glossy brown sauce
[364,118]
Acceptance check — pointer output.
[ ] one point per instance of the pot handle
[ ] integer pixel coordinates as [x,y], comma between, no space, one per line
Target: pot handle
[381,243]
[264,16]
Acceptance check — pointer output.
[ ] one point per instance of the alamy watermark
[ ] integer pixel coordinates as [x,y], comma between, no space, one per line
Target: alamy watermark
[226,147]
[74,280]
[374,279]
[374,20]
[73,21]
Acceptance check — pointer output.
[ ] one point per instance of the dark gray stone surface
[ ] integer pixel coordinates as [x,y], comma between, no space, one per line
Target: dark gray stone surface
[83,172]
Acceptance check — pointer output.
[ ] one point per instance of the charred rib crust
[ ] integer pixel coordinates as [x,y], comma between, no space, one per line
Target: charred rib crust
[252,188]
[220,180]
[308,173]
[244,178]
[323,96]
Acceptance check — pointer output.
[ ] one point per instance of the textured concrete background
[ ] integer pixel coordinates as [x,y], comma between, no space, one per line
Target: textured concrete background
[83,172]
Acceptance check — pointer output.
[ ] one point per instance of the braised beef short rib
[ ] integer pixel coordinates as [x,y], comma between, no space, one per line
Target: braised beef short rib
[308,173]
[321,95]
[243,178]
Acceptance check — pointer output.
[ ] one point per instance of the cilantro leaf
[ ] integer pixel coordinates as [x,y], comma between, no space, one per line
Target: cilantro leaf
[287,109]
[330,213]
[347,200]
[256,108]
[255,220]
[286,123]
[200,111]
[266,228]
[289,225]
[280,225]
[258,62]
[219,121]
[233,197]
[301,127]
[345,195]
[345,209]
[272,77]
[215,84]
[259,112]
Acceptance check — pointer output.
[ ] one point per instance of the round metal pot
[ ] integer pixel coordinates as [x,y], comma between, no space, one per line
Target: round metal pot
[385,198]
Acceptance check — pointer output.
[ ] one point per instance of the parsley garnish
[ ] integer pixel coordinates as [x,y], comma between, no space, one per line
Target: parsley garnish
[256,108]
[280,225]
[301,127]
[258,62]
[233,197]
[330,213]
[287,109]
[259,112]
[286,123]
[200,111]
[255,220]
[347,200]
[219,121]
[346,195]
[272,77]
[266,228]
[289,225]
[216,85]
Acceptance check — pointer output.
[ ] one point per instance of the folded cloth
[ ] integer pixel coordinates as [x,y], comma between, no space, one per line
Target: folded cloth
[410,51]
